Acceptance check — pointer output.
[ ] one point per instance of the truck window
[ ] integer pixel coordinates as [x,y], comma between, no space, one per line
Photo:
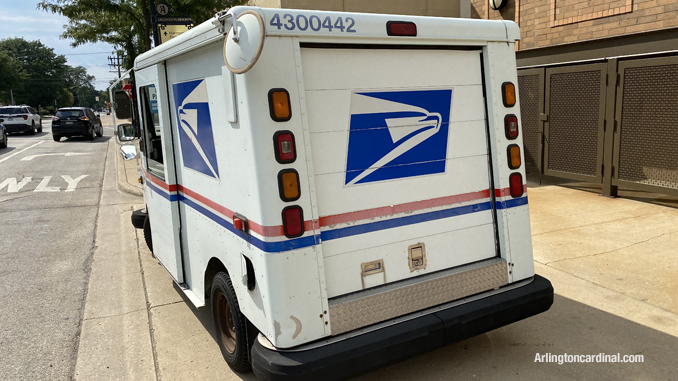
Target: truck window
[151,130]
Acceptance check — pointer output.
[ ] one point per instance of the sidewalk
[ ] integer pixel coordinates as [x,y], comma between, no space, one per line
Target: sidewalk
[127,172]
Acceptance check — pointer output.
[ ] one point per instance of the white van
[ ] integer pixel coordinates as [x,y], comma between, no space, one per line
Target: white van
[343,190]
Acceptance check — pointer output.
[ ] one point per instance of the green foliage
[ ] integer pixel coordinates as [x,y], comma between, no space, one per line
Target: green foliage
[12,75]
[38,77]
[43,78]
[125,24]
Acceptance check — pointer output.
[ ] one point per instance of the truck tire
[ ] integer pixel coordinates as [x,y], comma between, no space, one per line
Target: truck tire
[230,324]
[147,234]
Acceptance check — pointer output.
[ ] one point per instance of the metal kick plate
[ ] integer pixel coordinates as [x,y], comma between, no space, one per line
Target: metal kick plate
[392,300]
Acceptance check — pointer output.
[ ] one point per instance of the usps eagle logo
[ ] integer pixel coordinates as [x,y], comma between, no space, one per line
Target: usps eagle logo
[195,127]
[397,134]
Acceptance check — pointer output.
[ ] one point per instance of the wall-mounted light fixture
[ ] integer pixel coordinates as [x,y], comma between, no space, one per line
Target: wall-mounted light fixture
[497,4]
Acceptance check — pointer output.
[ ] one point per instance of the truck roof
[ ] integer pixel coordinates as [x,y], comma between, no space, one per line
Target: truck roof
[369,28]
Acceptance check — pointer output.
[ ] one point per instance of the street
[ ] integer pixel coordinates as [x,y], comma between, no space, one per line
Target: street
[48,206]
[83,298]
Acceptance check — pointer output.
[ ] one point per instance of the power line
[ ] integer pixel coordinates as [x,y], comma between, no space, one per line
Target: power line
[82,54]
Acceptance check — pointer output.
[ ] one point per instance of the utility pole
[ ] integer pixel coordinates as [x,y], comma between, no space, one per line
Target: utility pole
[115,63]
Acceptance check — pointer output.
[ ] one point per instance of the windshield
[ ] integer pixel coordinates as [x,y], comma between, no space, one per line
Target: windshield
[12,110]
[69,114]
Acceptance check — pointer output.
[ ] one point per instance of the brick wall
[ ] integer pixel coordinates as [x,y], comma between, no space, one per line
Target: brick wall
[552,22]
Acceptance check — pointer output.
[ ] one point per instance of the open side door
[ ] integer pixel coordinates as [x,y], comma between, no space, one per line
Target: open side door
[157,163]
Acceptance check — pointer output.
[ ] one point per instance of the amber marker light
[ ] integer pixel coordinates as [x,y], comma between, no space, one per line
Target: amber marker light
[279,105]
[514,156]
[508,91]
[288,185]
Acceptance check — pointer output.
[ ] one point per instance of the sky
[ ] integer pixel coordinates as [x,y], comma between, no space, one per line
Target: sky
[20,18]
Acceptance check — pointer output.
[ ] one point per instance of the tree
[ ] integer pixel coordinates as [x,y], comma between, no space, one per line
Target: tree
[81,86]
[43,81]
[125,24]
[12,76]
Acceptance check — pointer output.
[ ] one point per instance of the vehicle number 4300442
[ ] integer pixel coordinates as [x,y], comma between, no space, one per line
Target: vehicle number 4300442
[315,23]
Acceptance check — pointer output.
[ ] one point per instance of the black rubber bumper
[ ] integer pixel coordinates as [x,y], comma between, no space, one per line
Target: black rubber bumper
[138,218]
[367,352]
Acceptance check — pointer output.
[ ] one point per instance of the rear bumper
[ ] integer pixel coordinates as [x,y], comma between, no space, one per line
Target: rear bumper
[17,127]
[369,351]
[70,131]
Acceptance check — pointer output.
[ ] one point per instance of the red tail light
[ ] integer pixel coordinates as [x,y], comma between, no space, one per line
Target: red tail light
[25,117]
[83,118]
[293,221]
[511,124]
[285,152]
[401,28]
[516,182]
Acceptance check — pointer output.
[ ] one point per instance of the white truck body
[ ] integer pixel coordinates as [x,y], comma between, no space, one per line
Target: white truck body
[401,156]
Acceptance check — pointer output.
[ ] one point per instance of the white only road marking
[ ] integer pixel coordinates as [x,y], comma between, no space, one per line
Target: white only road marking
[72,183]
[13,186]
[27,158]
[14,154]
[42,187]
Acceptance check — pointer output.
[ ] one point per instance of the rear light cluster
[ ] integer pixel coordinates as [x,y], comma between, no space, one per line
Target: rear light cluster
[25,117]
[508,95]
[286,153]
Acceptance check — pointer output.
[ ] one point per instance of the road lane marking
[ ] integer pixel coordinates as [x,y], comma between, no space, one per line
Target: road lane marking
[28,158]
[23,150]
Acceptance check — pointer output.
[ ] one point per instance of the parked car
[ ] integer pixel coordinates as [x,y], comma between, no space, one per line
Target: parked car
[21,119]
[76,121]
[3,133]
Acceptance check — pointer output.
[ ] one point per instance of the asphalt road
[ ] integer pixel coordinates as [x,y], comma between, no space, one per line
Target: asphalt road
[49,202]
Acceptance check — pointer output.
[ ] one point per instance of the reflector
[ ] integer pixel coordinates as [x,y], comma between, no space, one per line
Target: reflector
[516,185]
[293,221]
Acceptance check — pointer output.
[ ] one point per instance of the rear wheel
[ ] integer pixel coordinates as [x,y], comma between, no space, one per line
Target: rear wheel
[147,234]
[56,138]
[230,324]
[3,143]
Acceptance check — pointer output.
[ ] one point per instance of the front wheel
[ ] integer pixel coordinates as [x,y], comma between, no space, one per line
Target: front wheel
[3,143]
[230,324]
[92,135]
[40,128]
[32,131]
[100,133]
[147,234]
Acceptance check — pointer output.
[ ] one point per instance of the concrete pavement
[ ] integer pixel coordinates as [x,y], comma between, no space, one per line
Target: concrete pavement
[612,263]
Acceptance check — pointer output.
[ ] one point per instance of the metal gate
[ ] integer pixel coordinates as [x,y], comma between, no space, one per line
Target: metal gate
[646,143]
[531,91]
[574,129]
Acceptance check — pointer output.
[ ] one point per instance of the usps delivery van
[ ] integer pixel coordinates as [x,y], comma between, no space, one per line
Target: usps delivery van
[343,190]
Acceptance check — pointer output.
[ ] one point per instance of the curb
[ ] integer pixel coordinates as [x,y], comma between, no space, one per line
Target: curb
[123,184]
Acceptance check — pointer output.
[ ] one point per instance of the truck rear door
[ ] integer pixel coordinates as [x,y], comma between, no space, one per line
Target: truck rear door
[400,161]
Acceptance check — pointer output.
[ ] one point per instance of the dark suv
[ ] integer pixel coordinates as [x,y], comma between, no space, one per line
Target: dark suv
[76,121]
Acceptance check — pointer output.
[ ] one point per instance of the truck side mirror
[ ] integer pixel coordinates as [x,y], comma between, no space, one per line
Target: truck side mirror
[125,133]
[122,105]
